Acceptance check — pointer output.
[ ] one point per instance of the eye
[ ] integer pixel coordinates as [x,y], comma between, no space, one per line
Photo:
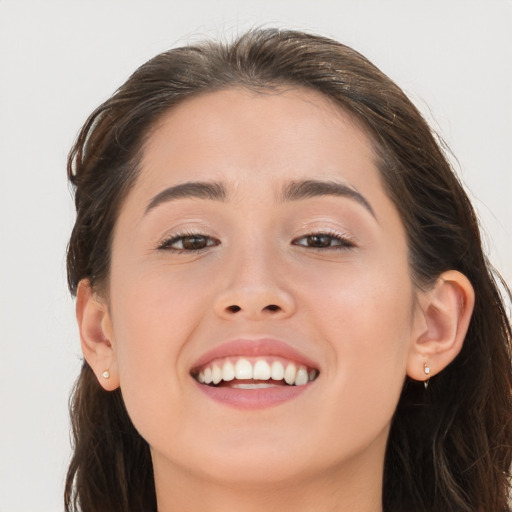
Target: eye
[324,241]
[188,242]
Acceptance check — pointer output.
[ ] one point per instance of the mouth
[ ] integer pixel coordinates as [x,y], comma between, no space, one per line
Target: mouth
[254,373]
[251,374]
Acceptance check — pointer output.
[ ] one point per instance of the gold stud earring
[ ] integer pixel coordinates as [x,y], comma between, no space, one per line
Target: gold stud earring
[106,374]
[426,369]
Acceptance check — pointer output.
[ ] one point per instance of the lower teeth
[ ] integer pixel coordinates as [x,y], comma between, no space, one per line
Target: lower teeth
[247,384]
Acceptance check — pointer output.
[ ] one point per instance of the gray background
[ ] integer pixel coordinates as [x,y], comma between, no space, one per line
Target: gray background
[58,60]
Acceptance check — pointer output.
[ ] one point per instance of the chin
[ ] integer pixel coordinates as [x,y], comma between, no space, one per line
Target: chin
[260,471]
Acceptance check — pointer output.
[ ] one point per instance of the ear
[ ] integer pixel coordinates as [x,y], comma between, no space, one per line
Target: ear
[441,324]
[96,335]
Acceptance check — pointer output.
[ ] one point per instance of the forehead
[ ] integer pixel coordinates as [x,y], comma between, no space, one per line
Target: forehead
[240,135]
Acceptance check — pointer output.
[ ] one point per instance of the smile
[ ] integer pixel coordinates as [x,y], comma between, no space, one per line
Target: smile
[254,374]
[259,373]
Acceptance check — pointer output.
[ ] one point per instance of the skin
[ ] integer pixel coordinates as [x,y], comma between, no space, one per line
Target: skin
[351,308]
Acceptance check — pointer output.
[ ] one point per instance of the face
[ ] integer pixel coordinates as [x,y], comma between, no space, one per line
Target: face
[259,231]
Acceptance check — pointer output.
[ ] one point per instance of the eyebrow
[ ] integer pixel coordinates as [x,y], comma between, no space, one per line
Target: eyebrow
[298,190]
[294,191]
[191,190]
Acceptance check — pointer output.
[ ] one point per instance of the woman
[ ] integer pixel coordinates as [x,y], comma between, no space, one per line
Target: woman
[281,294]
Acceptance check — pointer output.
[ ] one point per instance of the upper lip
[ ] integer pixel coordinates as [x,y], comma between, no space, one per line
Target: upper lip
[244,347]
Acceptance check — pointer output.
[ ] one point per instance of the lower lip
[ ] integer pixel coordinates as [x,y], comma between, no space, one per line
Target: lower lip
[252,398]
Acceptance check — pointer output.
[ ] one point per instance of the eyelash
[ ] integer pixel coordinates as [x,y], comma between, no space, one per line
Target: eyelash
[343,242]
[181,237]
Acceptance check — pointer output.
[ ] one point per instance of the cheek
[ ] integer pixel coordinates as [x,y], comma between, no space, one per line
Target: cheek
[365,317]
[368,331]
[362,298]
[156,304]
[156,312]
[151,321]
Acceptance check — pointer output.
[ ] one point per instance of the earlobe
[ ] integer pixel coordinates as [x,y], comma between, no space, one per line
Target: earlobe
[443,319]
[96,336]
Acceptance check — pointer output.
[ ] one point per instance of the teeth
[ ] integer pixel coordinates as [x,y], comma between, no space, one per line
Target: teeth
[208,377]
[277,371]
[228,371]
[261,371]
[302,377]
[259,385]
[243,369]
[216,374]
[290,373]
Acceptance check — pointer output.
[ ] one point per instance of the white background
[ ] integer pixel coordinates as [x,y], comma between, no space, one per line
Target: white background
[60,60]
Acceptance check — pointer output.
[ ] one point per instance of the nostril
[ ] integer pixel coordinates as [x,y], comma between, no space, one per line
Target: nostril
[271,307]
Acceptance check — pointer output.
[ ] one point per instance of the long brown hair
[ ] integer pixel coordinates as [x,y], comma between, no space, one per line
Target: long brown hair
[449,447]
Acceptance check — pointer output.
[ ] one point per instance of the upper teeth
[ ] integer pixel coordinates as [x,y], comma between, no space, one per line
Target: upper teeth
[258,370]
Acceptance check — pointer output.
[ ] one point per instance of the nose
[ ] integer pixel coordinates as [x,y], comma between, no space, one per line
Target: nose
[255,289]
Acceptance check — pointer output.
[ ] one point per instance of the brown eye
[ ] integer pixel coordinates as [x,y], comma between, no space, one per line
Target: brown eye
[193,243]
[319,241]
[189,243]
[324,241]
